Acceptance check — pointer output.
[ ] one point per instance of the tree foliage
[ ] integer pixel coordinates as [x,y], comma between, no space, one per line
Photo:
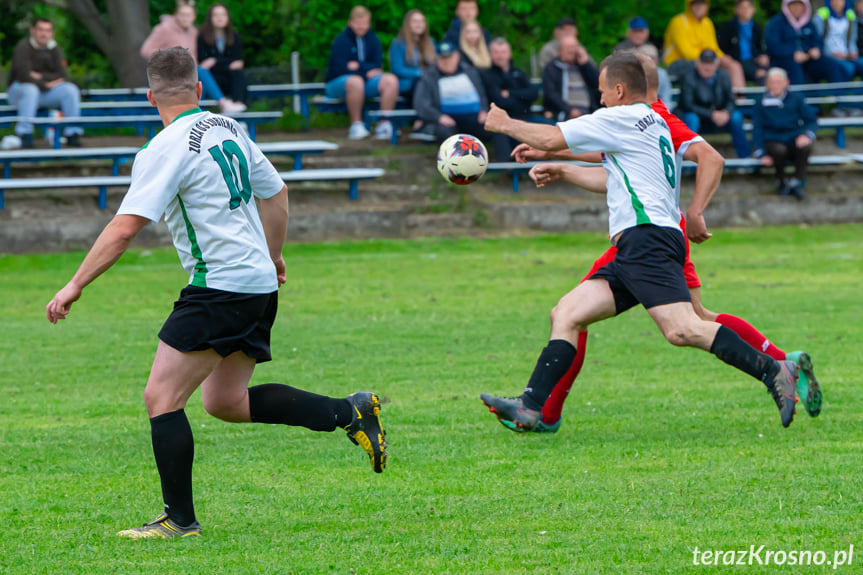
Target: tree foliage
[272,29]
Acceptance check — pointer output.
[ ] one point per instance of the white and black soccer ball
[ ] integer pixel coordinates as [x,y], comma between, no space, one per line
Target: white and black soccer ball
[462,159]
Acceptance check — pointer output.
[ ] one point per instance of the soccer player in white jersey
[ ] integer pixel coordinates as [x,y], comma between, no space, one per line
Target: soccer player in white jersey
[203,173]
[644,224]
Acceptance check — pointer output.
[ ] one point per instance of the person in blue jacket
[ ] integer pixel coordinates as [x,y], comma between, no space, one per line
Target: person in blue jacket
[411,52]
[784,129]
[465,11]
[794,44]
[355,72]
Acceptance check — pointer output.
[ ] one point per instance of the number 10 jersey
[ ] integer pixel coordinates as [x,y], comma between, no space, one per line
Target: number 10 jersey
[201,172]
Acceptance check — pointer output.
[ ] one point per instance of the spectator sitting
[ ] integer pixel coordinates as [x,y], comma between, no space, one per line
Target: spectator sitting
[411,52]
[837,24]
[858,12]
[465,11]
[220,50]
[450,98]
[179,30]
[550,50]
[38,80]
[569,82]
[688,35]
[354,73]
[473,47]
[637,35]
[707,104]
[784,129]
[511,89]
[741,38]
[794,44]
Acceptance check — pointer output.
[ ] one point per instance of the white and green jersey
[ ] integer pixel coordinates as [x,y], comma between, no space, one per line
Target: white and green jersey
[201,172]
[638,157]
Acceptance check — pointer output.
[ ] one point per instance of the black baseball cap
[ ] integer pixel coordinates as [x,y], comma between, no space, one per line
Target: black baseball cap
[708,56]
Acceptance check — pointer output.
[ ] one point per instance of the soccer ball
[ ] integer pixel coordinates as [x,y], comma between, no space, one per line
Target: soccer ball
[462,159]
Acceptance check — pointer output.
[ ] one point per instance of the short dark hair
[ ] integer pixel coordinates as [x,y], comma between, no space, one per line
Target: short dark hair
[42,21]
[625,68]
[738,2]
[564,22]
[172,72]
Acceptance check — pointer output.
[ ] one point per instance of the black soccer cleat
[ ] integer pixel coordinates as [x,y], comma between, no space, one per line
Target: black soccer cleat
[513,411]
[365,428]
[783,388]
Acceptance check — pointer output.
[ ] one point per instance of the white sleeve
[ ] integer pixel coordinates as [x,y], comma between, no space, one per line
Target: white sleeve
[155,182]
[264,177]
[594,132]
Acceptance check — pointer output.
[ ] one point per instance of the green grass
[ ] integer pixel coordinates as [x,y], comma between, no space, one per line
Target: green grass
[661,450]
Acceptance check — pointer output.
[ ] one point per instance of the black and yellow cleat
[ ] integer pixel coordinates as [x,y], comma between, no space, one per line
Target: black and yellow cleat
[366,430]
[162,527]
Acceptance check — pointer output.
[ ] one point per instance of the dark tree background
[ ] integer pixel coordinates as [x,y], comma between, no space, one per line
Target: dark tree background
[101,37]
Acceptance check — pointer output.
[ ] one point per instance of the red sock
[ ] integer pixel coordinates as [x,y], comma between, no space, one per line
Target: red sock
[554,404]
[750,335]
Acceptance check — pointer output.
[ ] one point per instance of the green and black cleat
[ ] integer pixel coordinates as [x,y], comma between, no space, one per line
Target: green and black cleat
[511,412]
[807,386]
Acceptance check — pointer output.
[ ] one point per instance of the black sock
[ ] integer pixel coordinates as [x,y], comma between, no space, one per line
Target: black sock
[277,403]
[728,347]
[553,363]
[174,449]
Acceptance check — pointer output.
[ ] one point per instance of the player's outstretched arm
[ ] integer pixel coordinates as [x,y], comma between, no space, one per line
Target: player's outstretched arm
[591,179]
[707,178]
[109,246]
[524,154]
[540,136]
[274,217]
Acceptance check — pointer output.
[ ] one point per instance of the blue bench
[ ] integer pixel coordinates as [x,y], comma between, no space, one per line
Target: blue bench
[352,175]
[148,122]
[516,169]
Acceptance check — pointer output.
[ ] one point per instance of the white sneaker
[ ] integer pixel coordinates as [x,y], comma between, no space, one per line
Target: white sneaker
[230,107]
[358,131]
[384,130]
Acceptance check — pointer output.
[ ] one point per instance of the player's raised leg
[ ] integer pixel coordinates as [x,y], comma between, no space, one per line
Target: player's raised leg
[173,378]
[226,395]
[588,303]
[682,327]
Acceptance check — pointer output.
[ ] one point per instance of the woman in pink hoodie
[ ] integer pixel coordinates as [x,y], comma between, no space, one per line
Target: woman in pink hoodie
[179,30]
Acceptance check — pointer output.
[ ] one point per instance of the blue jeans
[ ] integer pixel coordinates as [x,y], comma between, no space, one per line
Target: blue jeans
[734,125]
[824,68]
[211,90]
[27,99]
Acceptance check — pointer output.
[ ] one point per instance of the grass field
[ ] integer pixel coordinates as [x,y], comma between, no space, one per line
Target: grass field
[662,450]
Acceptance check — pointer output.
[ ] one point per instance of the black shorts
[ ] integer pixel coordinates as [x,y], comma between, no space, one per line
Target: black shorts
[205,318]
[648,268]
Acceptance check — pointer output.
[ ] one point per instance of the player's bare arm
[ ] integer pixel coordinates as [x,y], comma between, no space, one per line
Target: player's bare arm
[110,245]
[707,178]
[274,217]
[592,179]
[540,136]
[524,153]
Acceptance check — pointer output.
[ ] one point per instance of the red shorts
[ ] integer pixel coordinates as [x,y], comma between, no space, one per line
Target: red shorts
[692,280]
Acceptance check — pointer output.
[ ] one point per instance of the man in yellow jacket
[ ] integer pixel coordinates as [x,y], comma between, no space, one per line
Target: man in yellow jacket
[690,33]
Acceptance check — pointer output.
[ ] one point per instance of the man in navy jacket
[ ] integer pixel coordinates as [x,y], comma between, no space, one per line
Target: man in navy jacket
[355,72]
[784,129]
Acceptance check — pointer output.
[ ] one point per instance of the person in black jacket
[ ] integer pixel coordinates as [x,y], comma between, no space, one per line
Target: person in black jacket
[220,50]
[741,38]
[707,104]
[570,82]
[355,72]
[784,129]
[511,89]
[450,97]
